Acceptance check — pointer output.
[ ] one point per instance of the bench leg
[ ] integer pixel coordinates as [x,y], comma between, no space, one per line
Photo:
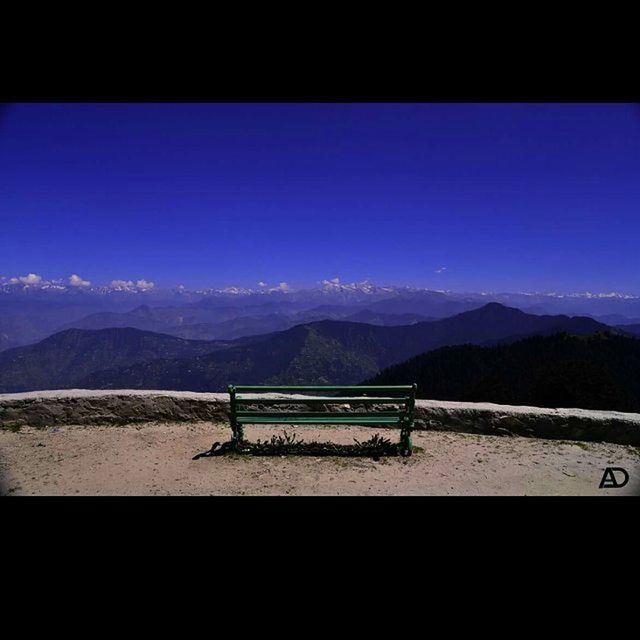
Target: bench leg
[405,439]
[238,433]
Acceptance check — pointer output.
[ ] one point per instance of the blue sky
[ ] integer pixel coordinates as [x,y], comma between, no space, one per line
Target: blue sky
[503,196]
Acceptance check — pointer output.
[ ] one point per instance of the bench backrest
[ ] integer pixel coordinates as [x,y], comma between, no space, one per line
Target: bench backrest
[399,398]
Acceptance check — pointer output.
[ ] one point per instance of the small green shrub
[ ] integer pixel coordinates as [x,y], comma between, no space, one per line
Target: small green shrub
[279,445]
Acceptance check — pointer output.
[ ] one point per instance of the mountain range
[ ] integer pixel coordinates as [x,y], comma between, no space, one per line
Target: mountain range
[215,324]
[600,371]
[325,351]
[29,313]
[32,308]
[64,359]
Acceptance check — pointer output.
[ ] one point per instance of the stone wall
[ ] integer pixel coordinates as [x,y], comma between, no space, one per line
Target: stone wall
[42,409]
[532,422]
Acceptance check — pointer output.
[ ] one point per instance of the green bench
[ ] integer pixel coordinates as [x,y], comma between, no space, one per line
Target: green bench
[398,401]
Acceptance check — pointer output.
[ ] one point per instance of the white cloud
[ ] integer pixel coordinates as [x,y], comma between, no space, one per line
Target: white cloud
[440,270]
[143,285]
[335,281]
[283,286]
[32,278]
[77,281]
[122,285]
[130,285]
[262,284]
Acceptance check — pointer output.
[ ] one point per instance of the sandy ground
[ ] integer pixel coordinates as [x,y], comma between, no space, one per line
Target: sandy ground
[156,460]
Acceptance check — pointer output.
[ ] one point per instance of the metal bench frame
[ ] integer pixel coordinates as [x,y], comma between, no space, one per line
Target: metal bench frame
[401,416]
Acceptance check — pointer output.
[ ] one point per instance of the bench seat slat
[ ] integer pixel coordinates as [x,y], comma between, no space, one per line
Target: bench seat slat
[320,414]
[348,419]
[317,400]
[243,388]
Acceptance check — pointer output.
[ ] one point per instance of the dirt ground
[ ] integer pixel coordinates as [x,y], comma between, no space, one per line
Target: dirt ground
[156,459]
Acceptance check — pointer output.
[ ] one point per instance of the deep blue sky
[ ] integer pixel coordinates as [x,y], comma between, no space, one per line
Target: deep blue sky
[506,197]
